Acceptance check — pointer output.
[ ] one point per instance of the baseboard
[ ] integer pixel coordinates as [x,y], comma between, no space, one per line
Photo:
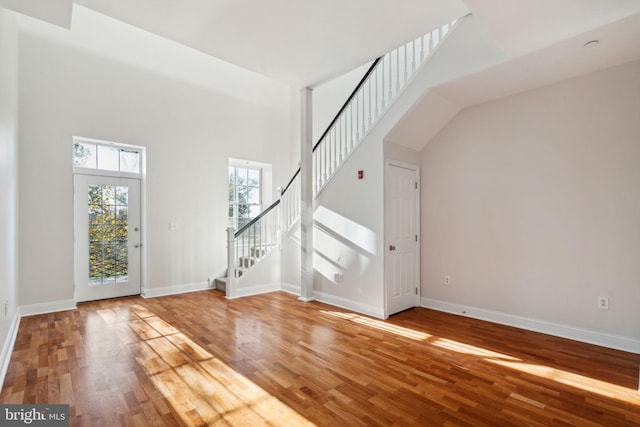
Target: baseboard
[289,288]
[7,347]
[175,289]
[617,342]
[348,304]
[257,289]
[47,307]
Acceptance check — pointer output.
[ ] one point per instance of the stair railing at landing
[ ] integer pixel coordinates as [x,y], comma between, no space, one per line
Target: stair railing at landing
[377,90]
[262,234]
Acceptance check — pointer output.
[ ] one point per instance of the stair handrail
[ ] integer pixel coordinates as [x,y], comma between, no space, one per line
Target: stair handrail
[256,219]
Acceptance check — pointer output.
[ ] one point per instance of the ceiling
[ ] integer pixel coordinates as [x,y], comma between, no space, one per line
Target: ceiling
[298,42]
[308,42]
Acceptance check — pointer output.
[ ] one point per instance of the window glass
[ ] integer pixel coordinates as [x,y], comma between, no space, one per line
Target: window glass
[91,155]
[245,195]
[84,155]
[108,158]
[129,160]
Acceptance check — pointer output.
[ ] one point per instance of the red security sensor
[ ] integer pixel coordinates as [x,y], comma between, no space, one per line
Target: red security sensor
[360,174]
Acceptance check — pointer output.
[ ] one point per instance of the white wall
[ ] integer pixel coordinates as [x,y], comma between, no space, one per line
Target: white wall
[531,204]
[348,233]
[8,179]
[106,80]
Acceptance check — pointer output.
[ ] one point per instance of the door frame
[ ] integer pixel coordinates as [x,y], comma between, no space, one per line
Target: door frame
[143,213]
[416,169]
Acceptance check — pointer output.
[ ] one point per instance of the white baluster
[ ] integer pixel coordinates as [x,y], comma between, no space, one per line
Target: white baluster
[406,64]
[397,72]
[329,154]
[377,73]
[355,122]
[414,66]
[369,81]
[343,137]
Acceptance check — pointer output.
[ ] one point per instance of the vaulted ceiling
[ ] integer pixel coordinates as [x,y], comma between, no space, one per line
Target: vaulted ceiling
[307,42]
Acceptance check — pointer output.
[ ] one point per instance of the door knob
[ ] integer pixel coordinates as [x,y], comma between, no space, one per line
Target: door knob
[392,248]
[137,245]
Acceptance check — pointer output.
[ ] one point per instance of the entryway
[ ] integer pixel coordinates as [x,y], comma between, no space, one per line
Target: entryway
[107,182]
[107,237]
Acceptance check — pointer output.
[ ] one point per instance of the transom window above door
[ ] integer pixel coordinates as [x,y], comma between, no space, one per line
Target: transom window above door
[89,154]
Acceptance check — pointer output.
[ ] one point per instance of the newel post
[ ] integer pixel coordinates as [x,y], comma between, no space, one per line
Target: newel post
[231,263]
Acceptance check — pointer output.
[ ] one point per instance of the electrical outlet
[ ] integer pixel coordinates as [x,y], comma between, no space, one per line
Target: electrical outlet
[447,280]
[338,277]
[603,303]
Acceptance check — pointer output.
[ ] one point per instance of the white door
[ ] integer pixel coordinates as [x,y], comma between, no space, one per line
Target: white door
[107,237]
[402,265]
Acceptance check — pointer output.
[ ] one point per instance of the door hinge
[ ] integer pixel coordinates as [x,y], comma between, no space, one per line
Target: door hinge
[416,237]
[416,291]
[416,183]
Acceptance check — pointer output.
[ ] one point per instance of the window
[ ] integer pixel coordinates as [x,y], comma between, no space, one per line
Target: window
[245,195]
[103,156]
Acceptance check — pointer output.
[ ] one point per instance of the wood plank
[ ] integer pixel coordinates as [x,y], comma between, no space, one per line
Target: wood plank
[200,359]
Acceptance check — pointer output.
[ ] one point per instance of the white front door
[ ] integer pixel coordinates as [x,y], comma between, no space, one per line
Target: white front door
[402,265]
[107,237]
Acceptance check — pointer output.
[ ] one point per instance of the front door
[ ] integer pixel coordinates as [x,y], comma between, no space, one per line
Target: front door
[107,237]
[402,269]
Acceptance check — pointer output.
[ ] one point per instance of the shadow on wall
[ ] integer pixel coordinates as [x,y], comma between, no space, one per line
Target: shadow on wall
[340,244]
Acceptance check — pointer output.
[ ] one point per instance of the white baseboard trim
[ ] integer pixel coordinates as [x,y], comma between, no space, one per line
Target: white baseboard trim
[289,288]
[348,304]
[617,342]
[7,348]
[175,289]
[257,289]
[47,307]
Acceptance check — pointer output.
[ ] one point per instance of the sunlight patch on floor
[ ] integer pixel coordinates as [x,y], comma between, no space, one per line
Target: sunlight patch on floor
[202,389]
[379,324]
[602,388]
[469,349]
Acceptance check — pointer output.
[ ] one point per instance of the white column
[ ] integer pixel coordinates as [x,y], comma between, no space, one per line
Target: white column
[306,198]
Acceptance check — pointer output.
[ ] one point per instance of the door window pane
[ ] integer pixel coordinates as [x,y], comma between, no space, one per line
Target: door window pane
[108,234]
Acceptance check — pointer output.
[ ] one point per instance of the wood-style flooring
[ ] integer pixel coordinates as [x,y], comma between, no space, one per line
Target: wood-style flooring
[199,359]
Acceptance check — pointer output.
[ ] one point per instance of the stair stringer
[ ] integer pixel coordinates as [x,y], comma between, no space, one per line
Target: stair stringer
[262,277]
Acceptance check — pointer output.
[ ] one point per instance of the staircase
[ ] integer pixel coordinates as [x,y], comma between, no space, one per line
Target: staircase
[385,80]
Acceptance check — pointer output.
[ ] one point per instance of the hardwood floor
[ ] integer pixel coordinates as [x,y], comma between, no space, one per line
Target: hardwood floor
[198,359]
